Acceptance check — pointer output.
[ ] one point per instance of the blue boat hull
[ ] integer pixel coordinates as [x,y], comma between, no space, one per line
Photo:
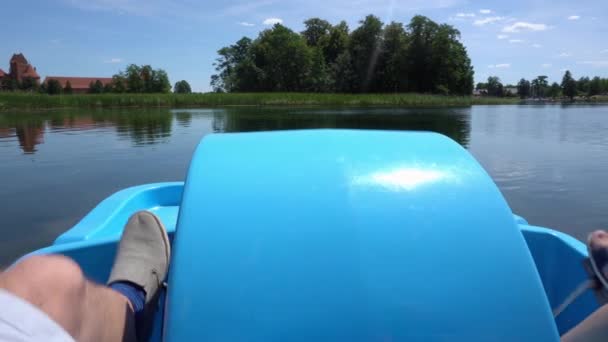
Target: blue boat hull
[558,256]
[465,188]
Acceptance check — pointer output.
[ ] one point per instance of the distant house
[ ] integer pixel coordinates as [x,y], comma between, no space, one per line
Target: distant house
[510,90]
[79,85]
[480,92]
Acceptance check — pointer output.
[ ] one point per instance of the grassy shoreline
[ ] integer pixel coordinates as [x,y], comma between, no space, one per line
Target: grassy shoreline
[10,101]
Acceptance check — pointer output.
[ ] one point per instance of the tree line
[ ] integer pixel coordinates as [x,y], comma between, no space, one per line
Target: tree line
[422,56]
[134,79]
[539,87]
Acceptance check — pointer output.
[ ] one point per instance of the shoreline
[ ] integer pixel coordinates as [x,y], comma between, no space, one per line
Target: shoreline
[25,101]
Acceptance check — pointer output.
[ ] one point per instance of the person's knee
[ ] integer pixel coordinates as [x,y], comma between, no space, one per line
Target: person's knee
[41,278]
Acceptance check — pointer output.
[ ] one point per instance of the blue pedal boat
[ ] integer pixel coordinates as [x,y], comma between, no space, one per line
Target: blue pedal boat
[342,235]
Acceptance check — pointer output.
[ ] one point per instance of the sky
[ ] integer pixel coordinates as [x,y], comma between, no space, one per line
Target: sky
[97,38]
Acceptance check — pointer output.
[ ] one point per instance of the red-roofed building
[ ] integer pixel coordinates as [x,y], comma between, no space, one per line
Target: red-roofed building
[20,70]
[79,84]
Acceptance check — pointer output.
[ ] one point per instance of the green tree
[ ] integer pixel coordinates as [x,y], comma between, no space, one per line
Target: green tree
[319,77]
[234,66]
[523,88]
[9,84]
[423,57]
[568,85]
[68,88]
[554,90]
[335,43]
[283,58]
[159,82]
[95,87]
[436,58]
[582,85]
[315,31]
[133,78]
[28,84]
[539,86]
[119,83]
[451,66]
[420,52]
[53,87]
[393,57]
[182,87]
[107,88]
[604,87]
[365,48]
[495,87]
[595,86]
[344,78]
[140,79]
[147,75]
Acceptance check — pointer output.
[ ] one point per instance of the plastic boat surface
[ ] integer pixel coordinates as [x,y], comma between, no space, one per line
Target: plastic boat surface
[342,235]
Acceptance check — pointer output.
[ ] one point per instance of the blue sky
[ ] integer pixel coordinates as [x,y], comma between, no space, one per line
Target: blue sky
[510,39]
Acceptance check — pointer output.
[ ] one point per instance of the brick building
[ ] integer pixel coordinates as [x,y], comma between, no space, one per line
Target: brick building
[20,71]
[80,85]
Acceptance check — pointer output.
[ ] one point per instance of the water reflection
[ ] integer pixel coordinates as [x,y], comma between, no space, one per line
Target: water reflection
[549,162]
[29,130]
[144,127]
[183,118]
[154,126]
[139,126]
[454,123]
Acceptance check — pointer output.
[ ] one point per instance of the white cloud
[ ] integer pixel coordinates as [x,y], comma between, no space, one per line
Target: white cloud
[113,60]
[574,17]
[524,26]
[272,21]
[502,36]
[488,20]
[465,15]
[564,54]
[604,51]
[597,64]
[536,45]
[546,65]
[244,23]
[515,41]
[499,66]
[485,11]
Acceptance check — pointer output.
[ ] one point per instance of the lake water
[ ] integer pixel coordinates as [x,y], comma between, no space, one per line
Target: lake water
[549,161]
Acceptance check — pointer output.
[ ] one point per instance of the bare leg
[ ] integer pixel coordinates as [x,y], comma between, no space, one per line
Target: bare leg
[593,328]
[57,286]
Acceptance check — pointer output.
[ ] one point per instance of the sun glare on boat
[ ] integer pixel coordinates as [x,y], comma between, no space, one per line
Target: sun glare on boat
[402,179]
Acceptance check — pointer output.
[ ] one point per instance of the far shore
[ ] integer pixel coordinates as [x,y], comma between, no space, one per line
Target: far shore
[24,101]
[11,101]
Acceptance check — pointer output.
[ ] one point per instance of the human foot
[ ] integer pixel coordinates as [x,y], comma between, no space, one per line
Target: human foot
[143,254]
[597,246]
[140,267]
